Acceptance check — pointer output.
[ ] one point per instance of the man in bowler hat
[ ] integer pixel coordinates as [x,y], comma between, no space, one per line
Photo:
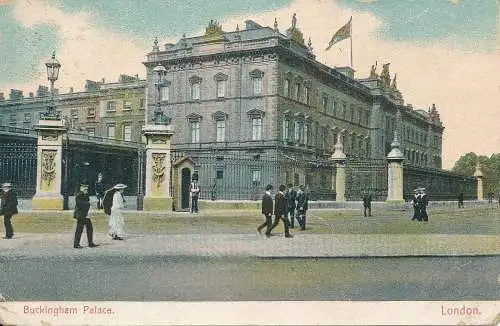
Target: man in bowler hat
[8,209]
[82,217]
[279,211]
[267,210]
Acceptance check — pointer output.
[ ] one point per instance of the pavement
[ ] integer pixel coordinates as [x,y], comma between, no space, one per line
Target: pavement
[254,245]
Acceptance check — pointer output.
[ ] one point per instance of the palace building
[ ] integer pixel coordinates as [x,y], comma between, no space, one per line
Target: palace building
[254,106]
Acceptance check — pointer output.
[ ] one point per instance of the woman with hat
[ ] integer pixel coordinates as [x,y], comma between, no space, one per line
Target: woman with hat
[8,208]
[116,221]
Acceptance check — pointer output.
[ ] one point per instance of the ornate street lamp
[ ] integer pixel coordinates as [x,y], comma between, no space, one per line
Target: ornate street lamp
[53,67]
[159,118]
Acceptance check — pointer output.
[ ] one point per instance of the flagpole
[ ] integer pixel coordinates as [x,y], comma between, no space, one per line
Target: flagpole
[351,44]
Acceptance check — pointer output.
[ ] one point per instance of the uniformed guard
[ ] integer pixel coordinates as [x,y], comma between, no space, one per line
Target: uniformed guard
[267,210]
[194,191]
[367,204]
[82,216]
[8,208]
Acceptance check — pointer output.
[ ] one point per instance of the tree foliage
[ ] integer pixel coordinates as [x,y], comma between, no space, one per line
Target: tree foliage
[490,166]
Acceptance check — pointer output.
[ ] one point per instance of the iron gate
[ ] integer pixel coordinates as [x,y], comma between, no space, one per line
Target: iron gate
[366,176]
[18,166]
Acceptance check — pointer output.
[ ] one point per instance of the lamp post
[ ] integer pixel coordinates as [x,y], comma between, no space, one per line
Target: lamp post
[159,117]
[53,67]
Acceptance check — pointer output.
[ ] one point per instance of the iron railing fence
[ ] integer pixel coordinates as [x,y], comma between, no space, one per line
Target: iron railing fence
[18,162]
[366,176]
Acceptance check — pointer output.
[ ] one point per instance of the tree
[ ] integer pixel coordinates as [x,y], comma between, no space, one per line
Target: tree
[490,166]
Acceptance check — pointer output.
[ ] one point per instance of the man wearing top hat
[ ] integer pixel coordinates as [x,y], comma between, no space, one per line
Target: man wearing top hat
[267,210]
[279,211]
[8,208]
[82,216]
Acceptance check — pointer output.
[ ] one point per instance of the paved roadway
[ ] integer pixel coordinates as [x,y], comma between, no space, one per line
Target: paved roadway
[164,277]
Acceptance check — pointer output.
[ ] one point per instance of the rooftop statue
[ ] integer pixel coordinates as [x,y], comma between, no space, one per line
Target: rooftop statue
[373,71]
[213,29]
[385,75]
[294,21]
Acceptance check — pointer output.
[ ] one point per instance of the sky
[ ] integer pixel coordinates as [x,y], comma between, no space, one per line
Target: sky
[445,52]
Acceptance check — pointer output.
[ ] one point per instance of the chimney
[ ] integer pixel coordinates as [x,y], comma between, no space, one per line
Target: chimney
[2,97]
[71,90]
[32,95]
[137,76]
[43,91]
[16,94]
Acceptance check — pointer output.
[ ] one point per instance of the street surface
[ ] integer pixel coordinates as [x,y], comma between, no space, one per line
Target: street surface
[163,277]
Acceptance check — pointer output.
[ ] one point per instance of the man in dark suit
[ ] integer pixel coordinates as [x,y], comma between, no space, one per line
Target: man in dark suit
[424,201]
[279,211]
[367,204]
[267,210]
[82,217]
[8,209]
[99,190]
[302,206]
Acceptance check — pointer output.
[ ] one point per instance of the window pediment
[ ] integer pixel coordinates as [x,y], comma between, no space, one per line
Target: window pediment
[256,113]
[256,73]
[220,116]
[165,83]
[194,117]
[299,80]
[220,77]
[287,113]
[299,115]
[195,79]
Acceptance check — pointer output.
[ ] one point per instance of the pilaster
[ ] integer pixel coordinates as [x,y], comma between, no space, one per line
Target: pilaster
[340,176]
[395,172]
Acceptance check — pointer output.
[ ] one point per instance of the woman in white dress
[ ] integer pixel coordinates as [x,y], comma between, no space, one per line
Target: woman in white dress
[116,221]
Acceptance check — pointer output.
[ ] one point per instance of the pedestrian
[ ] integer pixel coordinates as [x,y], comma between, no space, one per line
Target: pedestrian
[99,190]
[82,216]
[8,208]
[461,200]
[416,205]
[113,205]
[367,204]
[194,191]
[424,201]
[302,206]
[279,211]
[490,197]
[291,204]
[267,210]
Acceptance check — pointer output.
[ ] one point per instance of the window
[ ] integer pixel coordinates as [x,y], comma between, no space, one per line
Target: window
[298,89]
[111,107]
[307,94]
[257,85]
[221,130]
[127,133]
[74,114]
[13,119]
[27,117]
[221,88]
[324,104]
[111,131]
[91,132]
[1,121]
[219,174]
[333,108]
[127,106]
[90,113]
[296,130]
[286,88]
[165,93]
[256,176]
[306,134]
[141,104]
[286,129]
[256,128]
[195,91]
[195,131]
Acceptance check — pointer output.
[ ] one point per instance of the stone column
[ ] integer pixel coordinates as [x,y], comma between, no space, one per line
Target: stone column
[49,165]
[158,168]
[340,160]
[395,172]
[478,174]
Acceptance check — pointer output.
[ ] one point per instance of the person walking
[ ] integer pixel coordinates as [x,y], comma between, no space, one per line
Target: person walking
[367,204]
[8,208]
[113,205]
[461,200]
[424,201]
[291,204]
[99,190]
[267,210]
[82,216]
[279,211]
[416,206]
[302,206]
[194,191]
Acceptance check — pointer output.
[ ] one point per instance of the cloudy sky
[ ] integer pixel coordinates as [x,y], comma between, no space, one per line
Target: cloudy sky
[444,51]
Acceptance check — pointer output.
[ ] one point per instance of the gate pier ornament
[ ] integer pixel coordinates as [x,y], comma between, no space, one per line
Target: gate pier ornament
[158,167]
[49,165]
[395,172]
[478,174]
[340,160]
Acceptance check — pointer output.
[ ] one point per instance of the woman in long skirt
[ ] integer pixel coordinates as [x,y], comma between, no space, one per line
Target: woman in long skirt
[116,221]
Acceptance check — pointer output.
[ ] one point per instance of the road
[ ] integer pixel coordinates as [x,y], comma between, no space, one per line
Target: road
[153,278]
